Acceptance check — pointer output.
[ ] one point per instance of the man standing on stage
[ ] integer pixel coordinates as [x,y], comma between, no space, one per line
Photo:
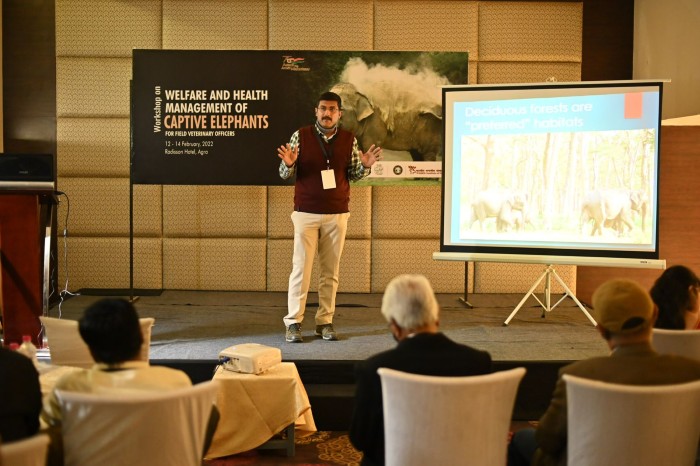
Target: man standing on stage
[325,158]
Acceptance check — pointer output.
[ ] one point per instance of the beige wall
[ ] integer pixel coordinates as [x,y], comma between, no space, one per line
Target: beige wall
[666,38]
[240,237]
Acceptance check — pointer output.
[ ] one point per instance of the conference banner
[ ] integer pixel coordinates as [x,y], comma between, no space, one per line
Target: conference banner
[217,117]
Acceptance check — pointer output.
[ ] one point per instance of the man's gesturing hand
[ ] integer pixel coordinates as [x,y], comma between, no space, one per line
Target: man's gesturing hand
[287,154]
[372,155]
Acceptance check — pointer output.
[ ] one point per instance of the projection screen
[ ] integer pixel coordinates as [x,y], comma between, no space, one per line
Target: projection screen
[552,173]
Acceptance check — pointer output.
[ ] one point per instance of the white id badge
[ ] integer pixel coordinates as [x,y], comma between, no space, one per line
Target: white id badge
[328,178]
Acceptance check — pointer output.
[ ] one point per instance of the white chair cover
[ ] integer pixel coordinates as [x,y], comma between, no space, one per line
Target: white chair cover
[613,425]
[681,342]
[67,347]
[136,429]
[452,421]
[28,452]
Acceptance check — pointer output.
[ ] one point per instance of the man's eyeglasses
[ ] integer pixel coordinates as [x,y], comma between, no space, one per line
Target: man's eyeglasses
[324,109]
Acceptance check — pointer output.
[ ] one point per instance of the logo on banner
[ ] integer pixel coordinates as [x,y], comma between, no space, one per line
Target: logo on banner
[378,169]
[413,170]
[291,63]
[398,170]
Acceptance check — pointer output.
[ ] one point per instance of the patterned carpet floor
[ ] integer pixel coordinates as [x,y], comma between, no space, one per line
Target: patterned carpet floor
[319,448]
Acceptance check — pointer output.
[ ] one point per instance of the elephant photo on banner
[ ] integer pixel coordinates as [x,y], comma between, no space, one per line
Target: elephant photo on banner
[397,107]
[394,118]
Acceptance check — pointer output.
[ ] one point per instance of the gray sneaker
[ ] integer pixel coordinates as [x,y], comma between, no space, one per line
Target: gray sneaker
[293,334]
[326,332]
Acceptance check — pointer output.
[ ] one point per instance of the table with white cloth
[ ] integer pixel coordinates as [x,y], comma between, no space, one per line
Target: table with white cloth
[253,408]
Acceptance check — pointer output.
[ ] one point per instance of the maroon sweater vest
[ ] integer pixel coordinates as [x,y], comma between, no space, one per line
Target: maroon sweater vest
[309,195]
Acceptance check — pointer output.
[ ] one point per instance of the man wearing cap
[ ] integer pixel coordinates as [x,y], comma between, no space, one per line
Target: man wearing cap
[625,315]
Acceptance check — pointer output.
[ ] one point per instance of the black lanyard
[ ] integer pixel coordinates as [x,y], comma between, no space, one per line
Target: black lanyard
[323,147]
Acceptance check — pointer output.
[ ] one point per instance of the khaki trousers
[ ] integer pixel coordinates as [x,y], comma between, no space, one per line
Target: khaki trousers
[325,234]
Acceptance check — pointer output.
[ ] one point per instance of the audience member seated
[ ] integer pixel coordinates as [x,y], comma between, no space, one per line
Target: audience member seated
[20,396]
[675,294]
[410,308]
[625,315]
[111,330]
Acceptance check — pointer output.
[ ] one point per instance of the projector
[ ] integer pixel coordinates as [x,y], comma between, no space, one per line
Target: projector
[250,358]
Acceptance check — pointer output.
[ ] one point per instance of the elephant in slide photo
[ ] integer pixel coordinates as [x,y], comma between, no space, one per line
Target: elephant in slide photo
[509,208]
[613,209]
[398,121]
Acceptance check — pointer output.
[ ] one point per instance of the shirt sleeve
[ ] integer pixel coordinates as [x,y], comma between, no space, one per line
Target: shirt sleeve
[357,171]
[367,417]
[285,171]
[51,410]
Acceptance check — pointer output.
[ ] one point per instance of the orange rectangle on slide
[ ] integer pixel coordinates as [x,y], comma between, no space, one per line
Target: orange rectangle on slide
[633,105]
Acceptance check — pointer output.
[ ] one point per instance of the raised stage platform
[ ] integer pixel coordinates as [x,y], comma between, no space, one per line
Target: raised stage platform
[193,326]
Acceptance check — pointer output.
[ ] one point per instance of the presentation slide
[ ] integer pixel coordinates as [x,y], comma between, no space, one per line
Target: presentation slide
[566,169]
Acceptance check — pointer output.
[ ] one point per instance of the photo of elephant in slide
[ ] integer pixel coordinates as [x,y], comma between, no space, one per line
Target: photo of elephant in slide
[400,122]
[613,209]
[509,208]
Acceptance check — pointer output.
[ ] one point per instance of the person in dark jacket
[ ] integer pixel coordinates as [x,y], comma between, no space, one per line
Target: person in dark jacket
[625,314]
[20,396]
[410,308]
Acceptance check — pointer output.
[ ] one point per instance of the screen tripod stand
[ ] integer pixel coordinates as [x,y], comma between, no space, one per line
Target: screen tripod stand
[546,306]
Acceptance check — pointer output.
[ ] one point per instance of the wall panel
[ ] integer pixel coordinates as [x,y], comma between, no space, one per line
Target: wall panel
[361,202]
[280,205]
[215,24]
[103,262]
[215,211]
[107,28]
[231,264]
[94,87]
[446,26]
[100,207]
[527,72]
[406,212]
[93,147]
[319,25]
[500,277]
[279,264]
[240,238]
[391,257]
[530,31]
